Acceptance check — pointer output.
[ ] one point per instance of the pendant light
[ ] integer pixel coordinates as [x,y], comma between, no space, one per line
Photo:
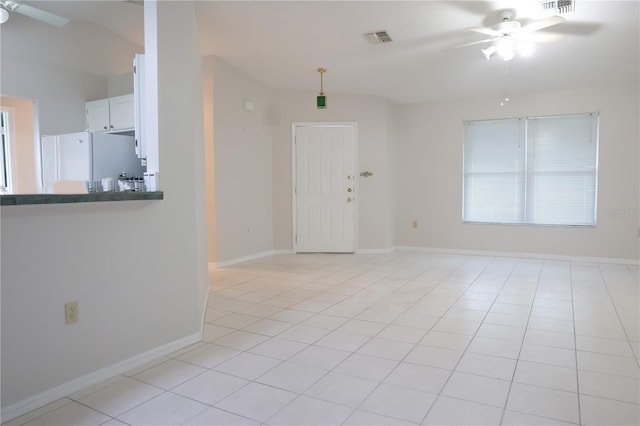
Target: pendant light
[321,99]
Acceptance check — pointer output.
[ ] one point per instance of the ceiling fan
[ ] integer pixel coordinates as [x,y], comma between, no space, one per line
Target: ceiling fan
[7,6]
[509,36]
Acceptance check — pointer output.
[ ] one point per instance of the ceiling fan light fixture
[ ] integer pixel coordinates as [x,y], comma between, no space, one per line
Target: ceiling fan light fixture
[4,16]
[525,48]
[505,48]
[488,51]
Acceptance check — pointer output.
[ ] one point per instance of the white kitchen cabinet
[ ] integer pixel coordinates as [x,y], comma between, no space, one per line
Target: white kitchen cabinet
[98,115]
[111,115]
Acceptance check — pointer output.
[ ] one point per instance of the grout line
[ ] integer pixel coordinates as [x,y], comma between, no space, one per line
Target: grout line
[524,336]
[615,308]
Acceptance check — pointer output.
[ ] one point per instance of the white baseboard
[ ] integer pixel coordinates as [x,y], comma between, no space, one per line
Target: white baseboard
[249,257]
[376,251]
[75,385]
[281,251]
[540,256]
[204,310]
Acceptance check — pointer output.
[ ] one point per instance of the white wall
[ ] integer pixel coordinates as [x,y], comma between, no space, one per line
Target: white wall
[415,153]
[253,162]
[373,116]
[243,170]
[210,182]
[429,170]
[118,85]
[137,269]
[62,68]
[60,93]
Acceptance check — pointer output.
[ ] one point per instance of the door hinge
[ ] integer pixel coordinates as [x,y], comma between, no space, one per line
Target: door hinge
[134,69]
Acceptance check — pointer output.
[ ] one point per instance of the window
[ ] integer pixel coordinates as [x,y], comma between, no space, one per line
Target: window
[540,171]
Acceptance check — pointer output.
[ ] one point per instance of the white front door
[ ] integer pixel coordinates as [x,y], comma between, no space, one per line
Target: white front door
[324,191]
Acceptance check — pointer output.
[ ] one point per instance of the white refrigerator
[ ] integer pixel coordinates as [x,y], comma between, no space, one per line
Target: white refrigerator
[87,156]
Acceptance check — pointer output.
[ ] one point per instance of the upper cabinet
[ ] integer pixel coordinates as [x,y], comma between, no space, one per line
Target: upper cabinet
[111,115]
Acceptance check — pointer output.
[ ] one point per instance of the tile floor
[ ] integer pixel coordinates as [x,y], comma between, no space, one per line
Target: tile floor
[396,339]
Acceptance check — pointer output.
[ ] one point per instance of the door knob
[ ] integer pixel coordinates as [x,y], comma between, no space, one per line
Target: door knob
[105,127]
[349,189]
[349,200]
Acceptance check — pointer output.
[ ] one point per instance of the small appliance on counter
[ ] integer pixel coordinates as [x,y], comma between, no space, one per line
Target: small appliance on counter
[130,183]
[89,157]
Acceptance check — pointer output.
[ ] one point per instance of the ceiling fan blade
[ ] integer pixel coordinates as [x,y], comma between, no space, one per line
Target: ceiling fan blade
[542,38]
[40,15]
[473,43]
[543,23]
[485,30]
[577,28]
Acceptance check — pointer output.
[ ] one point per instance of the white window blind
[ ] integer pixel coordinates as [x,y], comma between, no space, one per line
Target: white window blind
[531,170]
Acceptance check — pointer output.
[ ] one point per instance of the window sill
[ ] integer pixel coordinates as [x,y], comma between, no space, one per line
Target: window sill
[566,225]
[25,199]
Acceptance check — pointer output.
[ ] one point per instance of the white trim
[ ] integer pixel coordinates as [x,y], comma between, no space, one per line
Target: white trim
[10,160]
[294,215]
[281,251]
[204,308]
[82,382]
[376,251]
[294,198]
[541,256]
[248,258]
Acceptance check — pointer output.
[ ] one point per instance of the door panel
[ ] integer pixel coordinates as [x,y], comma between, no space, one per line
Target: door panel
[324,173]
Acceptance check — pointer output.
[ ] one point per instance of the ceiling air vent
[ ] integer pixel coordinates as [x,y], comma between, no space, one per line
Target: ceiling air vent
[377,37]
[560,6]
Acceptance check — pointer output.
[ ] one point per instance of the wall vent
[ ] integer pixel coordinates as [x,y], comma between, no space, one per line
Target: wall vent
[377,37]
[560,6]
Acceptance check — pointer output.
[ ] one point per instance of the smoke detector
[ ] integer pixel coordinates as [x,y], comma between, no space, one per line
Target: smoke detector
[377,37]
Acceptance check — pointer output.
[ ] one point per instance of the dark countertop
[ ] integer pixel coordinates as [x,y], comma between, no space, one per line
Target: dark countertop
[23,199]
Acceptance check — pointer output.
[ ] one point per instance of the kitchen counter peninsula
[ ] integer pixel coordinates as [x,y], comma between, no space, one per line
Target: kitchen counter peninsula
[92,197]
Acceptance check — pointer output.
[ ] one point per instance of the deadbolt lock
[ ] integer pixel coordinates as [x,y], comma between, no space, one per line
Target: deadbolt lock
[349,189]
[349,200]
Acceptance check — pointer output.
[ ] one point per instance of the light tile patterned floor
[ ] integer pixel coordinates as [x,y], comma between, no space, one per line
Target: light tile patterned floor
[394,339]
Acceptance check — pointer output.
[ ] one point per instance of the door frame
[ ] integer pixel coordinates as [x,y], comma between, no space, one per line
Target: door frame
[294,196]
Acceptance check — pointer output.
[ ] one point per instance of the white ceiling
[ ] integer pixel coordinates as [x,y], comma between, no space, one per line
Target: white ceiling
[282,43]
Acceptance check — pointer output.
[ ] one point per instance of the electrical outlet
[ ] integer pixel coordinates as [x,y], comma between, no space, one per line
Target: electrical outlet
[414,223]
[71,314]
